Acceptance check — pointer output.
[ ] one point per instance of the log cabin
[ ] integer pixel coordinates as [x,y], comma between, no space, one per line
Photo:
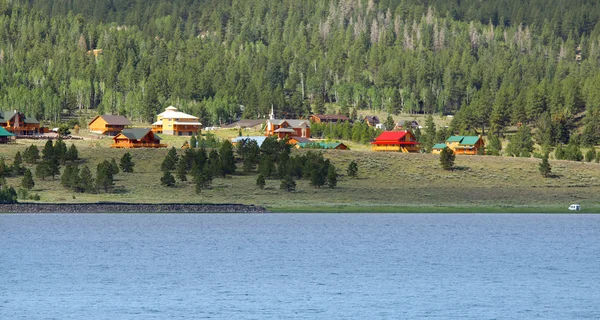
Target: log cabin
[137,138]
[110,125]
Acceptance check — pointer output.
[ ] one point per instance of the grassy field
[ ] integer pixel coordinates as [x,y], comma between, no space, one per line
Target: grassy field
[387,182]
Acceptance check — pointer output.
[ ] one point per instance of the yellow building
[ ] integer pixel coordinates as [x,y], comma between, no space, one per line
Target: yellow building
[173,122]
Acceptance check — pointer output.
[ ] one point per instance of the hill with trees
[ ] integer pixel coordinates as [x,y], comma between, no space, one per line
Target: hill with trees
[491,64]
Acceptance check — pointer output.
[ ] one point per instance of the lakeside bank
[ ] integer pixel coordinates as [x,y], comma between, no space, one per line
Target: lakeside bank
[129,208]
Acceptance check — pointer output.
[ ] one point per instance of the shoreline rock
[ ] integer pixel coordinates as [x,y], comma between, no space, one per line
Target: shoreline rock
[114,207]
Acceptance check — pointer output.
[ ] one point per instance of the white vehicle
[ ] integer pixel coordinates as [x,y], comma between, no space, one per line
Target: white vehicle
[575,207]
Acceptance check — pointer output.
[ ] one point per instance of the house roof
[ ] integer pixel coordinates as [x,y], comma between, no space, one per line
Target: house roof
[439,146]
[115,120]
[172,113]
[259,139]
[4,133]
[294,123]
[393,137]
[469,140]
[285,130]
[8,115]
[137,133]
[455,139]
[331,116]
[372,119]
[301,139]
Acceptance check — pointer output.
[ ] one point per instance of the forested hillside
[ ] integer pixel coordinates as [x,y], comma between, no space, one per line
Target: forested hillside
[490,63]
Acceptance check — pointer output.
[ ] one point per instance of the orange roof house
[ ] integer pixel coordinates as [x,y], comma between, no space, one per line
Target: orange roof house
[137,138]
[109,125]
[287,128]
[399,141]
[17,123]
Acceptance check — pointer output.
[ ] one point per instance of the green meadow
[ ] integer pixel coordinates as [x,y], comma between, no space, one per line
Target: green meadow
[387,182]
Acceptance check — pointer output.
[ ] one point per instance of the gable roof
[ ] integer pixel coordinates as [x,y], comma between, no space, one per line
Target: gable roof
[439,146]
[245,123]
[113,120]
[294,123]
[319,145]
[301,139]
[4,133]
[394,138]
[8,115]
[137,133]
[455,139]
[469,140]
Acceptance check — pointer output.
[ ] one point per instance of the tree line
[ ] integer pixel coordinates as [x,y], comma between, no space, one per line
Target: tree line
[491,64]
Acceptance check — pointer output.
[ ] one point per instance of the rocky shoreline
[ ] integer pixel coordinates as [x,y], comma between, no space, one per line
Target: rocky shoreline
[129,208]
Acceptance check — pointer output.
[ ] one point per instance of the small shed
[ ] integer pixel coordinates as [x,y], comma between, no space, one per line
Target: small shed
[5,136]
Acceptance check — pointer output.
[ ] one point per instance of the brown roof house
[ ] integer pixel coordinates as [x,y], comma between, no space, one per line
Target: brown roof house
[372,121]
[109,125]
[318,118]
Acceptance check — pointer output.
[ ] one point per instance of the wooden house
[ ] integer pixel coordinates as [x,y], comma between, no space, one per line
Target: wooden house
[5,136]
[287,128]
[328,118]
[399,141]
[404,125]
[109,125]
[295,140]
[173,122]
[438,147]
[372,121]
[465,144]
[17,123]
[137,138]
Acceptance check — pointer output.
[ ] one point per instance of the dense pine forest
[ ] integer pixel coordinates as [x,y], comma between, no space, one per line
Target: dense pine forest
[491,64]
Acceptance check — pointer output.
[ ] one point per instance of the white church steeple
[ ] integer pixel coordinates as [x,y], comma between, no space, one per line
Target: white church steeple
[272,114]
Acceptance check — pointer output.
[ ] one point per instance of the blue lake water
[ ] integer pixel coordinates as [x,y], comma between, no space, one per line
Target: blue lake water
[299,266]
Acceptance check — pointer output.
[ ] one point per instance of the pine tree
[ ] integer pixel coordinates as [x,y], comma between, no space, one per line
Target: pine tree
[494,146]
[193,142]
[42,170]
[389,123]
[66,180]
[545,168]
[331,176]
[72,153]
[590,155]
[60,150]
[17,169]
[447,158]
[27,181]
[126,163]
[104,176]
[288,184]
[114,167]
[260,181]
[170,160]
[227,158]
[352,169]
[31,154]
[167,179]
[86,181]
[181,170]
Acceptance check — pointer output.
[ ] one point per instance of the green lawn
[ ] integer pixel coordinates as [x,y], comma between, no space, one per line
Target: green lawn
[387,182]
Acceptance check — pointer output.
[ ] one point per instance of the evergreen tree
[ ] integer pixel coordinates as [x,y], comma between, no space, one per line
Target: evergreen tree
[544,167]
[86,181]
[104,176]
[352,169]
[126,163]
[42,170]
[494,146]
[559,153]
[521,144]
[167,179]
[260,181]
[447,158]
[7,195]
[251,155]
[114,167]
[181,170]
[331,176]
[31,154]
[193,142]
[67,180]
[27,181]
[288,184]
[266,167]
[590,155]
[60,151]
[227,158]
[72,153]
[17,169]
[389,123]
[214,163]
[170,160]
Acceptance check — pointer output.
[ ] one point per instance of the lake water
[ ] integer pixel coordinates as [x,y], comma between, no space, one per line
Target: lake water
[299,266]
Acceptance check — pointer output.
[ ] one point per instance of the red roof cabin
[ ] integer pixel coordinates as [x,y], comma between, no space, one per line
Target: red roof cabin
[398,141]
